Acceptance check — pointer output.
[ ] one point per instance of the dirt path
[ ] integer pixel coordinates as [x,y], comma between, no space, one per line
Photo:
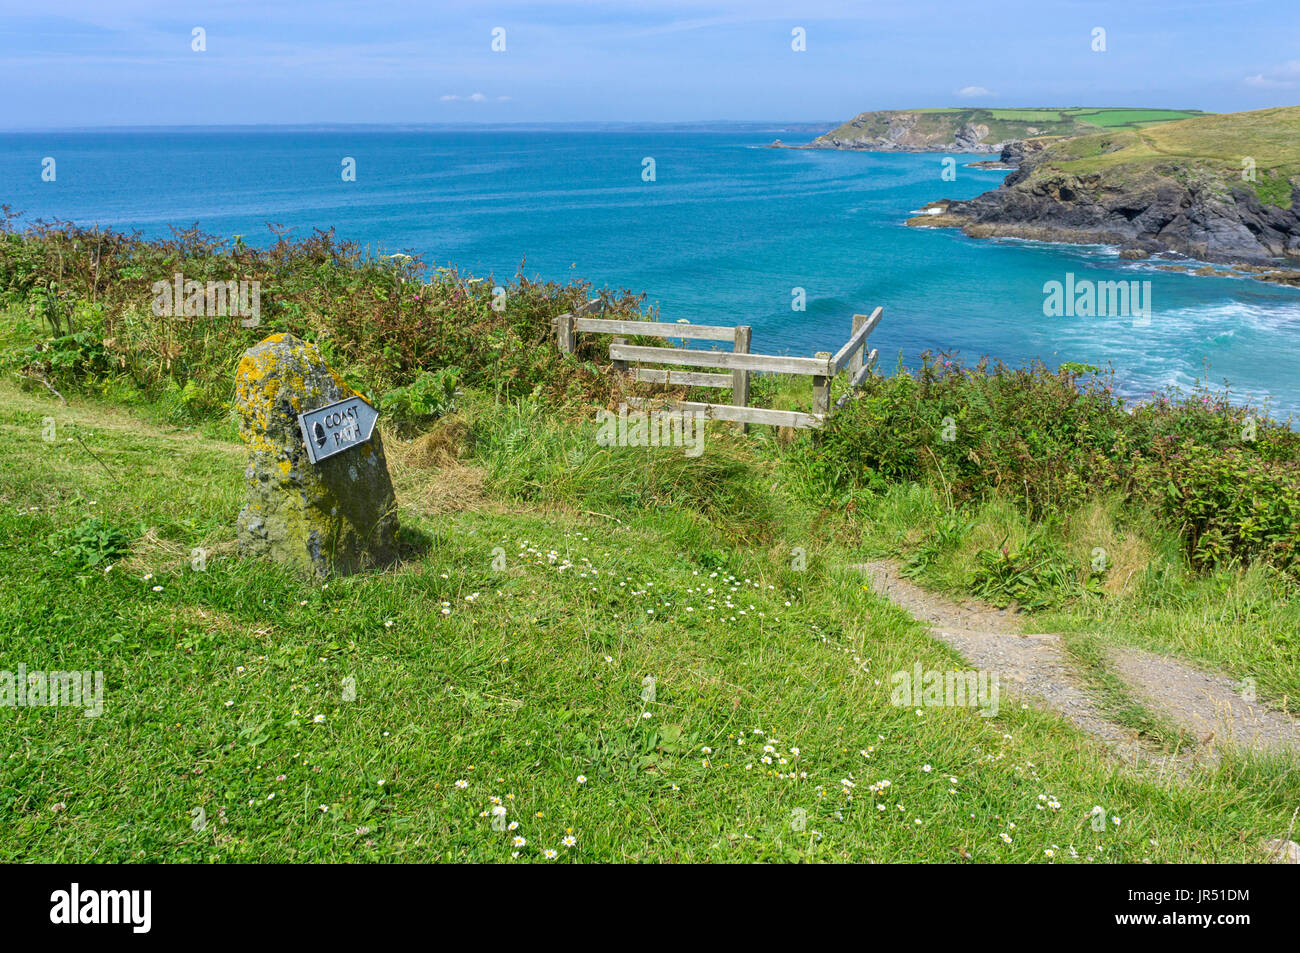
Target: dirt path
[1208,705]
[1037,666]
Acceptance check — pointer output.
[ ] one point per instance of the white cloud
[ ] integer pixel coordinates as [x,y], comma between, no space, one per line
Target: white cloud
[1286,75]
[970,91]
[471,98]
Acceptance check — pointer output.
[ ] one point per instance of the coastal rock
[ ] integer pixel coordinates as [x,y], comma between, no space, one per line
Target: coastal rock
[970,138]
[1013,155]
[1191,217]
[1143,192]
[337,516]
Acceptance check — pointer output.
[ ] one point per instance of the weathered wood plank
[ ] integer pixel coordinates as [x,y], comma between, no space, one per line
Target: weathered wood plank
[657,329]
[685,378]
[722,359]
[856,381]
[747,415]
[856,340]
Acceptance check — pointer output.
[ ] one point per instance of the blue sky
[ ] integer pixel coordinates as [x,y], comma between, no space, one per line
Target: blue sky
[130,62]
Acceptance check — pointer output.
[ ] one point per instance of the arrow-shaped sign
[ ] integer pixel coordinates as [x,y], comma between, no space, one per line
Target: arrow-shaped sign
[337,427]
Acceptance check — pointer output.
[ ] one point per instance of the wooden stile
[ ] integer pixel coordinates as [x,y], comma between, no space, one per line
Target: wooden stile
[739,362]
[862,326]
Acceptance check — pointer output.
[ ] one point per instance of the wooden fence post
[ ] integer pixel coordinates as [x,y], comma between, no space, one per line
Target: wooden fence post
[821,395]
[621,366]
[855,362]
[740,379]
[564,332]
[822,388]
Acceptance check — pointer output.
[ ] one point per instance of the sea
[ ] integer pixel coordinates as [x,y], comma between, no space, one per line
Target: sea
[709,223]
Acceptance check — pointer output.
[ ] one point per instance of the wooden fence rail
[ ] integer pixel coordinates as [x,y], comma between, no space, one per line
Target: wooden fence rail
[739,361]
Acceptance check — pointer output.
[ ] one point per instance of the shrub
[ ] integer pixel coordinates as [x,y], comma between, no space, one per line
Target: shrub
[1225,477]
[383,321]
[1229,504]
[429,396]
[92,543]
[1033,434]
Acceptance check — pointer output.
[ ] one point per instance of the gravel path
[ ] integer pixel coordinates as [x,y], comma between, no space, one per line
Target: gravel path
[1209,707]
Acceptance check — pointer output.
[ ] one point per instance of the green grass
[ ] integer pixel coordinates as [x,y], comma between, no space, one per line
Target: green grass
[226,687]
[1215,145]
[1117,118]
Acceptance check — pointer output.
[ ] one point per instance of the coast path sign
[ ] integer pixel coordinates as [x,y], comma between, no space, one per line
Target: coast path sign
[337,427]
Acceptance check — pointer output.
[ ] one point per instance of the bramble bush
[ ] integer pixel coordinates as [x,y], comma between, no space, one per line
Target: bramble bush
[84,299]
[1228,503]
[1034,435]
[1225,477]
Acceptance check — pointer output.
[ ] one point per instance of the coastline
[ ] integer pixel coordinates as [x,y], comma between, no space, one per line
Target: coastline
[936,214]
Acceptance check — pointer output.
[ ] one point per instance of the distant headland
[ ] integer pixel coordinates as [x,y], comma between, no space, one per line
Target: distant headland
[981,130]
[1217,188]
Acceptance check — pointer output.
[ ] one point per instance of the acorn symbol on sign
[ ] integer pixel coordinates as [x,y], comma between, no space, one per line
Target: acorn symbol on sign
[319,433]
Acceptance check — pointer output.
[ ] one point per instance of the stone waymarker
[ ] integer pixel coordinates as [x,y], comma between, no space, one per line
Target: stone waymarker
[324,506]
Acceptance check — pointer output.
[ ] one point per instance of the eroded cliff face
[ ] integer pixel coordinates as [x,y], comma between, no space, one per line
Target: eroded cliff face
[1195,212]
[908,132]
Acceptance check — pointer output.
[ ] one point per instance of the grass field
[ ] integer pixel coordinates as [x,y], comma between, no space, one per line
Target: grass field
[1222,146]
[507,663]
[1121,118]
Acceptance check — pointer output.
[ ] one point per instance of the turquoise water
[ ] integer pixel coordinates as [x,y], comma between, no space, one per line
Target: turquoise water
[722,236]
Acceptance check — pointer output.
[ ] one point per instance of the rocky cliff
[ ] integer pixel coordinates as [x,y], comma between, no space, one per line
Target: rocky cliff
[1218,188]
[910,132]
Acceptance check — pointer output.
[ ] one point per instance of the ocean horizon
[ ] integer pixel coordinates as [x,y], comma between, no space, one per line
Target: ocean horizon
[728,232]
